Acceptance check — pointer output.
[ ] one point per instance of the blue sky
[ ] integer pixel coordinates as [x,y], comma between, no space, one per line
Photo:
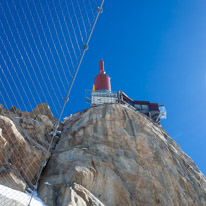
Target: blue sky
[153,51]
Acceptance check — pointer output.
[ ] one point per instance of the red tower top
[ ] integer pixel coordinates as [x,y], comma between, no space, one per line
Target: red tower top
[102,81]
[101,67]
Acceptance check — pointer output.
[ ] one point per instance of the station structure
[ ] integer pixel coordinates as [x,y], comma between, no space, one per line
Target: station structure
[102,94]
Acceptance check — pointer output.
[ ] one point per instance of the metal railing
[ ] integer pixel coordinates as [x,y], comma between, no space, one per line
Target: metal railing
[101,97]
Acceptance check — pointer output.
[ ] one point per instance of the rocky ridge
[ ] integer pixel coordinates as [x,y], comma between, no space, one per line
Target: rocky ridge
[24,139]
[111,155]
[107,155]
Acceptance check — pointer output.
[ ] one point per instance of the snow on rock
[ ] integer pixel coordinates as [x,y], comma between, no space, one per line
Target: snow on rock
[47,183]
[10,197]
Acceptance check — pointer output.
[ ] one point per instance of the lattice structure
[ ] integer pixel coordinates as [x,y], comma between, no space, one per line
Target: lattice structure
[42,46]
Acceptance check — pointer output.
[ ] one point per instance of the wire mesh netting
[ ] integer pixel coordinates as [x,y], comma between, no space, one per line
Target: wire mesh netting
[42,45]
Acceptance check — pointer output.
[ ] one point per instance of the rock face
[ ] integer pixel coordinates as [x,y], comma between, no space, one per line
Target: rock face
[110,155]
[24,139]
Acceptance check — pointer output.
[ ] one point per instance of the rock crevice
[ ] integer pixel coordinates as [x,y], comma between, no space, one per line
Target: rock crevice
[24,141]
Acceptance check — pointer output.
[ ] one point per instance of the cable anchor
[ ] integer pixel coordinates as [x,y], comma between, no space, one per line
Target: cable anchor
[66,99]
[85,47]
[99,9]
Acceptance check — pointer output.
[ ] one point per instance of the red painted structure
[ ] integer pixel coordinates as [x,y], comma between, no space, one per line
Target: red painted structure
[105,96]
[150,109]
[102,81]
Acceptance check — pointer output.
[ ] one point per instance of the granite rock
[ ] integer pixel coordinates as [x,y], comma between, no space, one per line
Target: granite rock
[24,140]
[111,155]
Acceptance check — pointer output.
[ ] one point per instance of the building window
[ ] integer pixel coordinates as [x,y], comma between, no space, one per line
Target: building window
[138,106]
[142,107]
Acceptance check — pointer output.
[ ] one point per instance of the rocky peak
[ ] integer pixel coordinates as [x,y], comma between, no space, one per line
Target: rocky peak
[111,155]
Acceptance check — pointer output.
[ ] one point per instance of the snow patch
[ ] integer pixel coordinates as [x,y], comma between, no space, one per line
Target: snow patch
[173,148]
[20,197]
[47,183]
